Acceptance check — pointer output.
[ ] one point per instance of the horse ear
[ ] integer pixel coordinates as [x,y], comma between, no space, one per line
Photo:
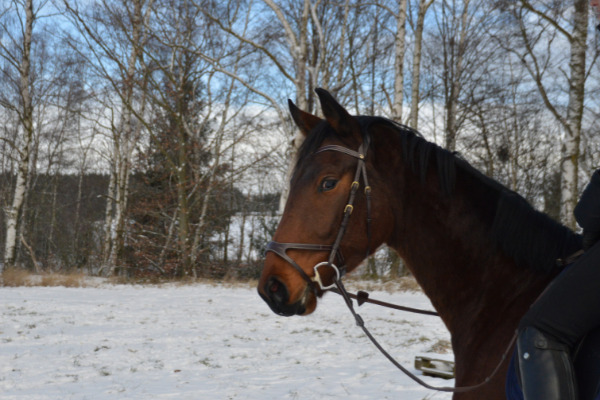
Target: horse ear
[337,116]
[305,121]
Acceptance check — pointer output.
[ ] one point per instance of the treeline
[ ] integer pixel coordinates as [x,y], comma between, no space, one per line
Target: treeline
[64,232]
[60,230]
[144,136]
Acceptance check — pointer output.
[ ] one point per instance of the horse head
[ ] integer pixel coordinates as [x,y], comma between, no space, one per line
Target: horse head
[316,239]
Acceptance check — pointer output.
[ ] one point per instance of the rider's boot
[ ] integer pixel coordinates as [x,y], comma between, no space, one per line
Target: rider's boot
[545,367]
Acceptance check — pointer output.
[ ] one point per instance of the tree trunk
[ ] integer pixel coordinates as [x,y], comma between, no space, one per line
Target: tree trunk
[124,143]
[108,220]
[120,205]
[399,48]
[298,47]
[416,66]
[453,72]
[571,149]
[571,124]
[26,126]
[183,206]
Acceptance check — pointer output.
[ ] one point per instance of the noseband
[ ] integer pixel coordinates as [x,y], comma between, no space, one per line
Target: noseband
[334,250]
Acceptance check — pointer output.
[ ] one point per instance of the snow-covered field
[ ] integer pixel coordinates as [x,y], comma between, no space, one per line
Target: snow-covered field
[203,341]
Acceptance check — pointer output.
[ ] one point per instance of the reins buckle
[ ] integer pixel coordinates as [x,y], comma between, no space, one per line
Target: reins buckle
[317,277]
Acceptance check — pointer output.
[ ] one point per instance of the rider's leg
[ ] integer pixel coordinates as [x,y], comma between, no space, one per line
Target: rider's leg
[545,366]
[566,312]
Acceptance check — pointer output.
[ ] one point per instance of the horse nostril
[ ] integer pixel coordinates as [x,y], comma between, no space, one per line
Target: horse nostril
[274,286]
[277,291]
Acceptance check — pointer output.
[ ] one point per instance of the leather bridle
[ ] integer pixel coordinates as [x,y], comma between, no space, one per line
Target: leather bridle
[334,250]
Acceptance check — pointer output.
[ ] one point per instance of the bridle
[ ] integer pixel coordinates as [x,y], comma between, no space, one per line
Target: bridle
[338,287]
[334,250]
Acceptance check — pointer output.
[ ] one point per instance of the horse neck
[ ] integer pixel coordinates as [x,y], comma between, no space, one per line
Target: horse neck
[444,239]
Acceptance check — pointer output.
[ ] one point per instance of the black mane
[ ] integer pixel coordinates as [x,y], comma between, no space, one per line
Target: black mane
[530,237]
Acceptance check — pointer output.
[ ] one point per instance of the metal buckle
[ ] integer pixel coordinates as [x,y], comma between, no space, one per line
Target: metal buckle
[317,277]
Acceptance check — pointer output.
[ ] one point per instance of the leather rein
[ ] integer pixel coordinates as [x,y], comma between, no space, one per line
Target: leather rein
[339,271]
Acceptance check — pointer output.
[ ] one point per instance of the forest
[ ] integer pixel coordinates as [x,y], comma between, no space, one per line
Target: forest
[151,137]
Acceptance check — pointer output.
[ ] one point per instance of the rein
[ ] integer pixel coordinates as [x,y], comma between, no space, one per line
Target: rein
[363,297]
[338,287]
[361,323]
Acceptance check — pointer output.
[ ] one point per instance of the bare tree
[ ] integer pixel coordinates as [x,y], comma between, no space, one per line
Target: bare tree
[544,25]
[311,44]
[20,59]
[416,62]
[454,23]
[109,28]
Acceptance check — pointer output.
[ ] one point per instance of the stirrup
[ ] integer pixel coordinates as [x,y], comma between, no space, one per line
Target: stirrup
[545,367]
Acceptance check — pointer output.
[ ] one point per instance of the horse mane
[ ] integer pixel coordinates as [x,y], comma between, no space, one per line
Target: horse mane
[531,238]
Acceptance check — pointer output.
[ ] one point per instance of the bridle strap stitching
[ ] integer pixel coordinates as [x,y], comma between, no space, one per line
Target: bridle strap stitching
[356,154]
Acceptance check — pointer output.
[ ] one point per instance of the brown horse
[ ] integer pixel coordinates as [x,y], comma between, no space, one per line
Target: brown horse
[480,252]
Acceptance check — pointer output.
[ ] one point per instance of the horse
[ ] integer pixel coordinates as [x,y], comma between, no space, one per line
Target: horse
[479,251]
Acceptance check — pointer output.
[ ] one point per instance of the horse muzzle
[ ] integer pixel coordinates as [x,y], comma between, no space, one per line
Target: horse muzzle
[276,295]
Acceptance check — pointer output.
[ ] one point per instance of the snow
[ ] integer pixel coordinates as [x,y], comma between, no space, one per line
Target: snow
[204,341]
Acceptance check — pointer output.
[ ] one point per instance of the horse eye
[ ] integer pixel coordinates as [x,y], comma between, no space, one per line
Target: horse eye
[328,184]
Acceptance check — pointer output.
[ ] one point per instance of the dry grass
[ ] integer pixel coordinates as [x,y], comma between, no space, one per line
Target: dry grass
[15,277]
[441,347]
[69,280]
[185,281]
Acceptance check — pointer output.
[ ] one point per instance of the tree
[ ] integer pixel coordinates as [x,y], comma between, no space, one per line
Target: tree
[416,62]
[113,33]
[454,24]
[310,44]
[552,25]
[21,61]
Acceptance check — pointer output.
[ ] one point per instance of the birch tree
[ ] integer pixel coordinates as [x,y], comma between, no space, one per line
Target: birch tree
[108,27]
[571,148]
[399,50]
[19,59]
[302,45]
[555,23]
[416,62]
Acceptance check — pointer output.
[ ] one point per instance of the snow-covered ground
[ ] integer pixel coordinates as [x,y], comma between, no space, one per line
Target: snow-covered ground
[204,341]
